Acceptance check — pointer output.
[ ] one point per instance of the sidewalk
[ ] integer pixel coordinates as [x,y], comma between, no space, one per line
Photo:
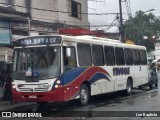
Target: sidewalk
[6,105]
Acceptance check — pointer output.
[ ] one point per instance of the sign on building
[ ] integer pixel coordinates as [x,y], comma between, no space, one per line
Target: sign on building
[4,32]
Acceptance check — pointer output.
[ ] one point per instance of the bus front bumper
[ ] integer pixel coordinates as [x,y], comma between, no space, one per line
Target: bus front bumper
[50,96]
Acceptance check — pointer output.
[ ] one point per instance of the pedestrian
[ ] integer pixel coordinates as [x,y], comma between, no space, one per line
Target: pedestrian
[8,87]
[154,67]
[1,80]
[1,86]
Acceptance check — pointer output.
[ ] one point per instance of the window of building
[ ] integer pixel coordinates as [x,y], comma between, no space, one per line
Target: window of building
[143,57]
[119,56]
[74,9]
[136,57]
[97,55]
[109,55]
[128,56]
[84,54]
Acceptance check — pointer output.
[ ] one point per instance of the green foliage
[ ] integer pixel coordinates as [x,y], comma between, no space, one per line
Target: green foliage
[142,25]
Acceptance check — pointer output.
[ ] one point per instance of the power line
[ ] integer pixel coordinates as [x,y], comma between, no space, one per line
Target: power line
[111,24]
[128,8]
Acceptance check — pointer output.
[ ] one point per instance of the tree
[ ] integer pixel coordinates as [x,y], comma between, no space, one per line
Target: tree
[142,25]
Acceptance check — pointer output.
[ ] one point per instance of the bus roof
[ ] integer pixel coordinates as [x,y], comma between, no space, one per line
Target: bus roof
[99,41]
[89,39]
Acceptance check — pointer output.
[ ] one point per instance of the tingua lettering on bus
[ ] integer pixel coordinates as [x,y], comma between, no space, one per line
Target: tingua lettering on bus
[121,71]
[39,41]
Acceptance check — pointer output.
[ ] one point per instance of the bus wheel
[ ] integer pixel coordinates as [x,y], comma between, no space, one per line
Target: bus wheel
[129,87]
[84,95]
[150,86]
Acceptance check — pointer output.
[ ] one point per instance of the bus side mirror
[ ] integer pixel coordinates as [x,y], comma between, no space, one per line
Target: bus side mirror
[68,52]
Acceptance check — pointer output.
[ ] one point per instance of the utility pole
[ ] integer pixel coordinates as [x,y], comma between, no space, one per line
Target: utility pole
[121,28]
[29,25]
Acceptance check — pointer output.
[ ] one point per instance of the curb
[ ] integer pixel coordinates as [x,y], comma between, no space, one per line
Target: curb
[8,106]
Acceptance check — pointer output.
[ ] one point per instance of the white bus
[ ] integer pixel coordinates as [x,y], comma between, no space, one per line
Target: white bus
[58,68]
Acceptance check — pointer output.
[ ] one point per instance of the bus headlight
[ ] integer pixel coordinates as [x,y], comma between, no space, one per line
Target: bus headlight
[58,82]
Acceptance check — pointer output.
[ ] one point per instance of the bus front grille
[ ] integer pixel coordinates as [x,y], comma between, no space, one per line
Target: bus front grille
[34,88]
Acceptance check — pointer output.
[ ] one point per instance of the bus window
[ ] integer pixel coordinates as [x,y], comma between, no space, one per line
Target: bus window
[136,57]
[109,55]
[128,56]
[69,61]
[143,57]
[97,55]
[119,56]
[84,54]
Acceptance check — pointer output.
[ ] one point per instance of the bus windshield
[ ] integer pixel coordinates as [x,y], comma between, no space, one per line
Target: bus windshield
[44,61]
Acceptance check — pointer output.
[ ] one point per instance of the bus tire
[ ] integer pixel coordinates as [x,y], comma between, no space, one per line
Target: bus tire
[129,87]
[84,95]
[150,86]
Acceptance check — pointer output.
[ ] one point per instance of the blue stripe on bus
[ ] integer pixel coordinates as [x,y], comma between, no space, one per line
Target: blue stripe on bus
[70,75]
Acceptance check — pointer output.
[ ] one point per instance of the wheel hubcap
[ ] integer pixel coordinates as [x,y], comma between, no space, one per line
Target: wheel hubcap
[129,88]
[84,95]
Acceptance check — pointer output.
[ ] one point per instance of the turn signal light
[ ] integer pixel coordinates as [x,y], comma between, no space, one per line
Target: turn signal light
[14,86]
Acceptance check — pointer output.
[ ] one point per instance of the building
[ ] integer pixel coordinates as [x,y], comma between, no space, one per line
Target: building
[47,16]
[7,15]
[19,18]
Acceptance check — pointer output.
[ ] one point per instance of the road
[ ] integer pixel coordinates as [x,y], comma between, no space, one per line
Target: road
[116,106]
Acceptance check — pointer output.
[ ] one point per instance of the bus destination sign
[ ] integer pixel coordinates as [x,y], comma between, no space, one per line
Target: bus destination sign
[38,41]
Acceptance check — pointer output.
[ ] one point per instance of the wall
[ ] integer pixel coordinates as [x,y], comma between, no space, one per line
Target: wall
[46,11]
[49,8]
[65,18]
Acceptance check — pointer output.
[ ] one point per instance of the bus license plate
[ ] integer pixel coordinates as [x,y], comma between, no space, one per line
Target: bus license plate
[33,96]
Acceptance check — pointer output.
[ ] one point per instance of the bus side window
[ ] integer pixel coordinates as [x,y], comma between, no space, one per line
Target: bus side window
[84,54]
[119,56]
[97,55]
[136,57]
[143,57]
[109,55]
[128,56]
[69,61]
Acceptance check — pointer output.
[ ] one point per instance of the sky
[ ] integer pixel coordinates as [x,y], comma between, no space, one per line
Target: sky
[112,6]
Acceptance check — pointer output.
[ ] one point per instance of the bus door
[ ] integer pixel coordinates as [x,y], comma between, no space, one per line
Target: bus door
[144,67]
[137,67]
[69,63]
